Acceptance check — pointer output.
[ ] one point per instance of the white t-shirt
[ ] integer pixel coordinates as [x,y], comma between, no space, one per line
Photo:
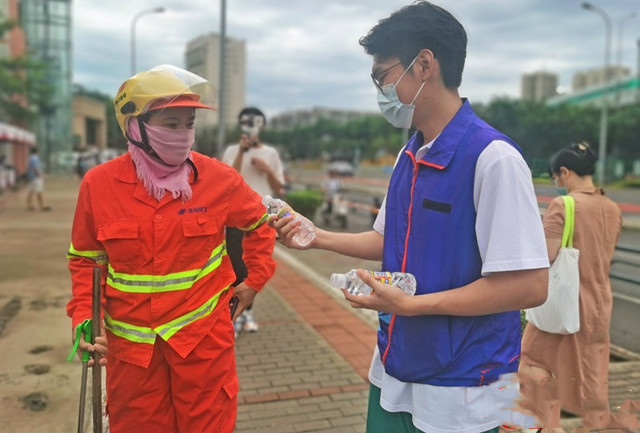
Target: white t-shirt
[331,186]
[255,178]
[510,237]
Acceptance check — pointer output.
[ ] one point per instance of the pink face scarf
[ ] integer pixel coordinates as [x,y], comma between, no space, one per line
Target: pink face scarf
[173,146]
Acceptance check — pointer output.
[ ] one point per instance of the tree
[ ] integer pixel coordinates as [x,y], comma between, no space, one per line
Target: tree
[539,129]
[372,135]
[24,89]
[625,132]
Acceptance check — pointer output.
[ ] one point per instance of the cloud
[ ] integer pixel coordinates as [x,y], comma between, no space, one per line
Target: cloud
[302,54]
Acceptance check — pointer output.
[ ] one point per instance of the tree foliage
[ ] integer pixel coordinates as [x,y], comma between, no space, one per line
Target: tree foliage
[539,129]
[369,136]
[24,89]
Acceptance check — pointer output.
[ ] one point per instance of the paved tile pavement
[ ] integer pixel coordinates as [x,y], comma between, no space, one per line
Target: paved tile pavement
[305,369]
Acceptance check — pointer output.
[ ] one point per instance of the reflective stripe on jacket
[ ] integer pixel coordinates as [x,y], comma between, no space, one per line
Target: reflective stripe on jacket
[164,264]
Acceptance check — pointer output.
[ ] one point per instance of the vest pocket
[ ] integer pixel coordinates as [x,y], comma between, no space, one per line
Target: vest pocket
[436,205]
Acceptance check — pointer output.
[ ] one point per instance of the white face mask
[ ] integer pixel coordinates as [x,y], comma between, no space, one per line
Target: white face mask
[395,111]
[251,131]
[251,124]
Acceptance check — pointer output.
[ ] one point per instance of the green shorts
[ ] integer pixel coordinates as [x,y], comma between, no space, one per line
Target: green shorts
[381,421]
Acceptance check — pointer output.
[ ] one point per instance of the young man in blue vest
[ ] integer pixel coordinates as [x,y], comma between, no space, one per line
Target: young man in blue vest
[461,215]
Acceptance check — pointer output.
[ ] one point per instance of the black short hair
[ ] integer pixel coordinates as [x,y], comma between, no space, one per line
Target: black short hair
[413,28]
[255,111]
[578,158]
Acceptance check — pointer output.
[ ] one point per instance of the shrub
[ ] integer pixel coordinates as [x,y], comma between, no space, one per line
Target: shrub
[305,202]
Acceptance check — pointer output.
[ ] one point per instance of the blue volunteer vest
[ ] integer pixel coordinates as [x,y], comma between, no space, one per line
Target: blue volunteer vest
[430,232]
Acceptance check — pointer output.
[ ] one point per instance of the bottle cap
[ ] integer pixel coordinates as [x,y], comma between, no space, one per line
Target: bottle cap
[338,281]
[266,199]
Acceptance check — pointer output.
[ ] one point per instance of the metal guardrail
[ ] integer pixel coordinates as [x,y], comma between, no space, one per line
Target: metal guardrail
[616,260]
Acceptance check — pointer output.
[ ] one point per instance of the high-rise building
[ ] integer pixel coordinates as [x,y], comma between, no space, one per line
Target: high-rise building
[596,77]
[202,57]
[12,42]
[47,28]
[308,117]
[538,86]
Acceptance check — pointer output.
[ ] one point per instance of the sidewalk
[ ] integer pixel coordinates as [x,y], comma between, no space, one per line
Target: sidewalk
[305,370]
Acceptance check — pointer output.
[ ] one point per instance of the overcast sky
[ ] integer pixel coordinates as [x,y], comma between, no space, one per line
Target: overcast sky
[305,53]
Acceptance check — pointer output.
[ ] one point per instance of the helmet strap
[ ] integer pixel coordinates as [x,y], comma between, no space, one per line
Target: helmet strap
[195,170]
[144,141]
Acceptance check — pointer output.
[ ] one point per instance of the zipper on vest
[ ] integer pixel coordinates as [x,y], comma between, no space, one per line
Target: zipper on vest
[406,243]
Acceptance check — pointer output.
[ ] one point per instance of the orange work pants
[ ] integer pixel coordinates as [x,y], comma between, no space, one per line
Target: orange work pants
[176,395]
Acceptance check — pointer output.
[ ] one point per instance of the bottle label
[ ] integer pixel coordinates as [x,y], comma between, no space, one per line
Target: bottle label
[383,277]
[284,212]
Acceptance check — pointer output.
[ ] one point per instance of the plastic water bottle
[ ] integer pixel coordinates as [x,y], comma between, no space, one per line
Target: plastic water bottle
[356,286]
[276,206]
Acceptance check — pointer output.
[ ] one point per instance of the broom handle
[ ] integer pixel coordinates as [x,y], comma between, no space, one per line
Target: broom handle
[96,322]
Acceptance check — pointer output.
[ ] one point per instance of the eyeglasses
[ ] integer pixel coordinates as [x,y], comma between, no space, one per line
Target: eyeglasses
[375,80]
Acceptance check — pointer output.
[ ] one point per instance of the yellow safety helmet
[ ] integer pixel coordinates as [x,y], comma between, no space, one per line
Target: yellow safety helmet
[160,87]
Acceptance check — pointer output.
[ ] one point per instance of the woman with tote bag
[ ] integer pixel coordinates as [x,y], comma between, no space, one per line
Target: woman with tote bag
[570,371]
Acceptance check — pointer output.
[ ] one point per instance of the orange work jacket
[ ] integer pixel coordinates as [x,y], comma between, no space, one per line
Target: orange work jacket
[164,264]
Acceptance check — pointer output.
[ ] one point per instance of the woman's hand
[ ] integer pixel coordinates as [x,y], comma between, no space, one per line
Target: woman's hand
[245,295]
[384,298]
[100,346]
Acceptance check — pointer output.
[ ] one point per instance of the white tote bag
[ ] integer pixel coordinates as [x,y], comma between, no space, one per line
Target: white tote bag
[560,314]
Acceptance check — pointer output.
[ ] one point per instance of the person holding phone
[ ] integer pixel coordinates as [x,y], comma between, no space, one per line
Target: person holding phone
[261,168]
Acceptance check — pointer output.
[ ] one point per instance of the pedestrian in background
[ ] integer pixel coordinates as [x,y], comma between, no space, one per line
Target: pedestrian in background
[88,157]
[331,187]
[261,168]
[154,220]
[4,175]
[35,176]
[571,371]
[461,215]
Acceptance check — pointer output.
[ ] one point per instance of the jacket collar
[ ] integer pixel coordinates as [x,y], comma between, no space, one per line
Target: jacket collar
[446,144]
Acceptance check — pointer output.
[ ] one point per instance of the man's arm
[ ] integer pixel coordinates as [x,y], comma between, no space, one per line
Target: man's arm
[274,183]
[494,293]
[272,167]
[365,245]
[243,146]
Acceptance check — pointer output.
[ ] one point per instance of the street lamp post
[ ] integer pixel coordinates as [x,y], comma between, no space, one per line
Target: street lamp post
[222,79]
[619,51]
[133,33]
[602,149]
